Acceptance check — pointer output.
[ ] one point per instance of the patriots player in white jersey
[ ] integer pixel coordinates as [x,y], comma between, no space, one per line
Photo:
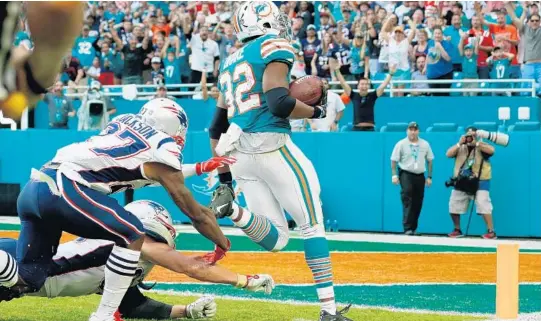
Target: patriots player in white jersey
[78,269]
[252,124]
[71,194]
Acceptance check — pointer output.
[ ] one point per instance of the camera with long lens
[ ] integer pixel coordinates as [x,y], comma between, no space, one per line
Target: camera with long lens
[498,138]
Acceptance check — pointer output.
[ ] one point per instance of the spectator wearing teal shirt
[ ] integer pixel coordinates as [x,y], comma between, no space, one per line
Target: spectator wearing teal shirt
[458,9]
[439,65]
[360,57]
[500,63]
[469,55]
[83,48]
[112,13]
[453,34]
[172,69]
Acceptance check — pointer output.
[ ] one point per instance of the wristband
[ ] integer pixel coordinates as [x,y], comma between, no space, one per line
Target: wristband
[242,281]
[395,176]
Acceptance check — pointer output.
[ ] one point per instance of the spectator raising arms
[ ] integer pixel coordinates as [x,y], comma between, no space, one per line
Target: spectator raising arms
[134,57]
[399,47]
[364,101]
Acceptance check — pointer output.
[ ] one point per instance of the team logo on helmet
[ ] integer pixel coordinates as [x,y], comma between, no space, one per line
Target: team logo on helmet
[261,9]
[163,216]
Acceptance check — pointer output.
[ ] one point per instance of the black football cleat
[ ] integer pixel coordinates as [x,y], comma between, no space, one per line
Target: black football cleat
[222,201]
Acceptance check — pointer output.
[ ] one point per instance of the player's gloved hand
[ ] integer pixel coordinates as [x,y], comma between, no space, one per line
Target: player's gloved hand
[204,307]
[256,283]
[212,164]
[217,255]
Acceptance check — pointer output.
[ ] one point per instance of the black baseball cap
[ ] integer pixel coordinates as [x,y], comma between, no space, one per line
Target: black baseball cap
[413,125]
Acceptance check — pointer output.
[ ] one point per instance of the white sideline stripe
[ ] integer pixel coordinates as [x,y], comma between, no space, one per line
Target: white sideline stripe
[363,252]
[393,238]
[536,316]
[295,302]
[372,237]
[358,284]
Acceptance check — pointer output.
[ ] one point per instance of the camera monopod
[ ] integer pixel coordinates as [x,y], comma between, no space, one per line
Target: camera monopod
[469,218]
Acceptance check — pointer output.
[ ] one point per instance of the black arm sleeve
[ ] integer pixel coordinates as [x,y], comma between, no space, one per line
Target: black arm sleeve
[280,103]
[219,124]
[137,306]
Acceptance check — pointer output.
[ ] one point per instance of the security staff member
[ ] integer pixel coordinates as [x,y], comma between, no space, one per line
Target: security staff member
[410,154]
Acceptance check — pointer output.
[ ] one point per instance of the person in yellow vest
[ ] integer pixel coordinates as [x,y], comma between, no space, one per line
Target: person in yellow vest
[471,180]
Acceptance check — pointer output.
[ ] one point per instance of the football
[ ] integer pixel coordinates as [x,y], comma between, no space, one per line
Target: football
[307,89]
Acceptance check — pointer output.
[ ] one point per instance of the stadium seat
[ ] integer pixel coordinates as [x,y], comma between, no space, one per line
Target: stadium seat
[456,85]
[484,85]
[458,75]
[486,125]
[394,127]
[347,127]
[442,127]
[525,126]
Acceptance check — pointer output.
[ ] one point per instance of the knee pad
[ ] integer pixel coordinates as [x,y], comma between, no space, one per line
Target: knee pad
[312,231]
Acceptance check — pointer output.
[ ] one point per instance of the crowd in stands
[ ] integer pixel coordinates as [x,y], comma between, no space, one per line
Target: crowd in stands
[165,43]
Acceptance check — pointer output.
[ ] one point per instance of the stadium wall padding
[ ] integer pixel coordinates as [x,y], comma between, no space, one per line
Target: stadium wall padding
[424,110]
[354,171]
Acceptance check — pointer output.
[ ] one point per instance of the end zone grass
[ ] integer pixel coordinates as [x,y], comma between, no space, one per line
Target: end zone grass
[79,309]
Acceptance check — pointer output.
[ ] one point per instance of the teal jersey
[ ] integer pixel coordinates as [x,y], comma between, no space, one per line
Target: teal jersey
[84,51]
[469,67]
[172,71]
[500,69]
[357,64]
[241,84]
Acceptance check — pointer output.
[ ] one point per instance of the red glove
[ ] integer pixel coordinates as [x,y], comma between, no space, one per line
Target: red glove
[217,255]
[213,163]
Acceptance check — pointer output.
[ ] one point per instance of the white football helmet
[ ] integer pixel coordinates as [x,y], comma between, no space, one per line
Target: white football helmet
[155,218]
[167,116]
[257,18]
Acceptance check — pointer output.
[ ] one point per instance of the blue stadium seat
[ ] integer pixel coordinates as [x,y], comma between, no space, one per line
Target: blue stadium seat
[525,126]
[347,127]
[456,85]
[484,85]
[458,75]
[486,125]
[394,127]
[442,127]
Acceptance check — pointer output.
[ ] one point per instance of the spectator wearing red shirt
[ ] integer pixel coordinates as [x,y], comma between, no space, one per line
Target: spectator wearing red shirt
[506,37]
[485,46]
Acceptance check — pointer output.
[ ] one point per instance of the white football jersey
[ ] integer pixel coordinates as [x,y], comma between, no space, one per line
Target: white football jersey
[113,160]
[78,269]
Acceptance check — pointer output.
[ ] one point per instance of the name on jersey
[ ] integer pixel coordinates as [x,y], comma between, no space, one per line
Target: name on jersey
[236,56]
[141,128]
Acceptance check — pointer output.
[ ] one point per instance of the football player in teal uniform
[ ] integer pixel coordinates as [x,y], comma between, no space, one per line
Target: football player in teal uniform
[252,124]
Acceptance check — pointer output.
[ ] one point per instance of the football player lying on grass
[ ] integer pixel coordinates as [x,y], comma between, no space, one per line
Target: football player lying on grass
[79,265]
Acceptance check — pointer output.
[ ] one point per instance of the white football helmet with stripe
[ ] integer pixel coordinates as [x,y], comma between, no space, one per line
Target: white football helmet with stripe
[258,18]
[155,218]
[167,116]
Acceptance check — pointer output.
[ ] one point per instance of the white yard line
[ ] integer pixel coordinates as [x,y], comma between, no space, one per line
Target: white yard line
[373,237]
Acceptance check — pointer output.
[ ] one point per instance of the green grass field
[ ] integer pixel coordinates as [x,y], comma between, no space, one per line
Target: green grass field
[79,309]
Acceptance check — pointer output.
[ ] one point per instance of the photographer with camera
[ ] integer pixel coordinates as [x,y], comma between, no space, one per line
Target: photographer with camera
[471,177]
